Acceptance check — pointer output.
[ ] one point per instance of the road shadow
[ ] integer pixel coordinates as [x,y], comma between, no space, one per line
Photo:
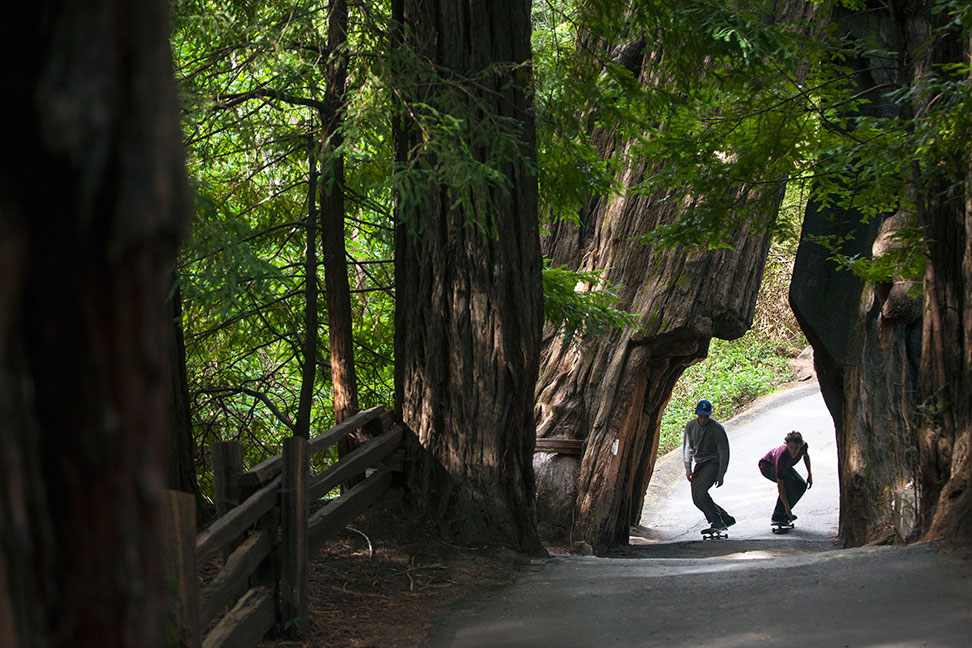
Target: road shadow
[743,549]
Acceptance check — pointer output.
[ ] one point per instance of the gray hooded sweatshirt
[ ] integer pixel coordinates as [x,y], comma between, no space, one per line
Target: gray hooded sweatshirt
[705,443]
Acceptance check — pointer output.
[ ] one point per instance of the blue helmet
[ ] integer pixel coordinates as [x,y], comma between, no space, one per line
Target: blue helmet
[704,407]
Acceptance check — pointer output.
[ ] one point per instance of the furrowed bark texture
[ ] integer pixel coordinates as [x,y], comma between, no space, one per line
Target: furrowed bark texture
[866,346]
[181,454]
[865,337]
[91,210]
[612,392]
[469,300]
[338,291]
[945,383]
[894,371]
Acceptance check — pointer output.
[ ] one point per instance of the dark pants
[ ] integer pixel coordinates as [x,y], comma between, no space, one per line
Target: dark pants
[703,478]
[795,486]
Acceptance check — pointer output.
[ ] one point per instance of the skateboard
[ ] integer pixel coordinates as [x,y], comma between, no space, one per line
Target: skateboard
[709,534]
[781,527]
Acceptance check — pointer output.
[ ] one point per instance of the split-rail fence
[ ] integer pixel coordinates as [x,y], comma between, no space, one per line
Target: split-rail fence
[265,533]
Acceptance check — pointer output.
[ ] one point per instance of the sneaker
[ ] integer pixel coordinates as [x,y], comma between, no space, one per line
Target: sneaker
[728,520]
[717,528]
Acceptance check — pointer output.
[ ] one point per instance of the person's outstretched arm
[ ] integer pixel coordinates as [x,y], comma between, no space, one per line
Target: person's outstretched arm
[806,460]
[781,487]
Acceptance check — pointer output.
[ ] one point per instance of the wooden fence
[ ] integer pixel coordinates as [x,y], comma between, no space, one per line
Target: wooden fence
[265,533]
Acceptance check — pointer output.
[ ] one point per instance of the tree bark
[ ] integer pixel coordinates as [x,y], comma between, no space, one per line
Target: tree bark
[91,210]
[865,336]
[469,296]
[340,331]
[181,456]
[888,392]
[311,321]
[945,379]
[612,392]
[866,347]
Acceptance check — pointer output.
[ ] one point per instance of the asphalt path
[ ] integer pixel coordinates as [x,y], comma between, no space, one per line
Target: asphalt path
[668,514]
[674,589]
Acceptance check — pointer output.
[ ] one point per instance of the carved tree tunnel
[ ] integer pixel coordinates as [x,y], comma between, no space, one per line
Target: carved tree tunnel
[876,356]
[612,392]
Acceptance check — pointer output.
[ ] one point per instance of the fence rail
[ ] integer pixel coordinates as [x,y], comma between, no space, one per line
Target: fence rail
[266,533]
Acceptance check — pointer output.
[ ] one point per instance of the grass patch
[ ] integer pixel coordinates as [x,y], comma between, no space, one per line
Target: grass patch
[735,373]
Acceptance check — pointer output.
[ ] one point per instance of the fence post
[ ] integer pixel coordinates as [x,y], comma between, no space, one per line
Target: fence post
[294,511]
[182,584]
[227,468]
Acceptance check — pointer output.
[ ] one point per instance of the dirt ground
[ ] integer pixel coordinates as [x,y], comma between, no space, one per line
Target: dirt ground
[382,581]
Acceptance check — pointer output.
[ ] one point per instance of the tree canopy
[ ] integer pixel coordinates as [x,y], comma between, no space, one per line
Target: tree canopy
[741,104]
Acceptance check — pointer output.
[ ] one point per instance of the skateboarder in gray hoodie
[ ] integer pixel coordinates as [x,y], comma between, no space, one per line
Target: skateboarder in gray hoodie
[706,444]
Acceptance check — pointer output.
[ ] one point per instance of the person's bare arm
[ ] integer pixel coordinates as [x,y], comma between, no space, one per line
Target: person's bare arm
[781,487]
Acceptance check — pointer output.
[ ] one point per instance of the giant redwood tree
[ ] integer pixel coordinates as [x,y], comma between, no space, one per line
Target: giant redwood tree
[866,335]
[468,288]
[891,345]
[92,207]
[939,50]
[610,392]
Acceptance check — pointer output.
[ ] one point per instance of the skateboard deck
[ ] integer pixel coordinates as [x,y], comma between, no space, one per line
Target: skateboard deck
[713,535]
[781,527]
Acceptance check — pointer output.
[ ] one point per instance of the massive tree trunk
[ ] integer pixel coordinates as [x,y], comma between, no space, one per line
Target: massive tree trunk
[896,375]
[866,347]
[945,382]
[865,337]
[612,392]
[469,302]
[92,206]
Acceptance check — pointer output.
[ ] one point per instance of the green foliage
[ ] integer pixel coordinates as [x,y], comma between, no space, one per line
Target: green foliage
[735,107]
[576,307]
[734,374]
[460,140]
[715,118]
[253,80]
[897,153]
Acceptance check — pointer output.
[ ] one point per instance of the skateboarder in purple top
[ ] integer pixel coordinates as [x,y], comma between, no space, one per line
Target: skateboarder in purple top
[705,443]
[778,466]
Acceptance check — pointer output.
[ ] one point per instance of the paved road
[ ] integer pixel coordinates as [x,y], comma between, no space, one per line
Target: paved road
[669,515]
[752,590]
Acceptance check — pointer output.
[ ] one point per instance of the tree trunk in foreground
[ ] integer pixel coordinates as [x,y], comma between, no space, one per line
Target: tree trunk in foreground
[945,382]
[469,301]
[92,207]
